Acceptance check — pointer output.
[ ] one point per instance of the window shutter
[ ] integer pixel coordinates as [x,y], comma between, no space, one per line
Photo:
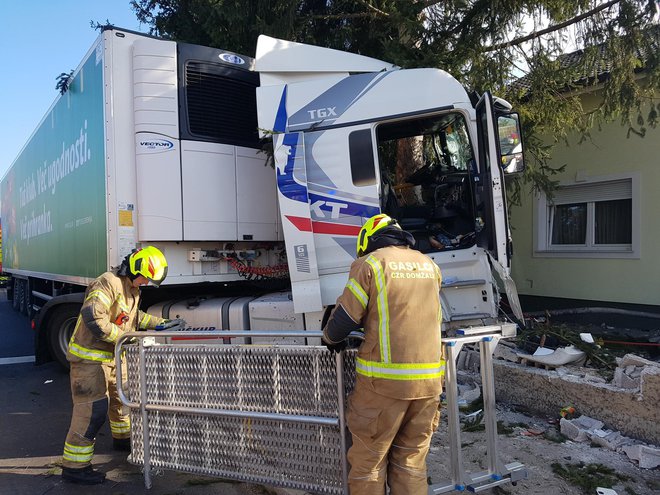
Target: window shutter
[599,191]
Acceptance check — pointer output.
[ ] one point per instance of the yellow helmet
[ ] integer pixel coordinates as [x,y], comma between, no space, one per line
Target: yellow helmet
[148,262]
[373,225]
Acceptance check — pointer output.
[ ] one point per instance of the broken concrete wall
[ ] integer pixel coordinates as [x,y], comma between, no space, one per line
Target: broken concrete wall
[635,413]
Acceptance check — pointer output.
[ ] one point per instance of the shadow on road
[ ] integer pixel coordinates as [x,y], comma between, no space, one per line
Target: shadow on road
[35,411]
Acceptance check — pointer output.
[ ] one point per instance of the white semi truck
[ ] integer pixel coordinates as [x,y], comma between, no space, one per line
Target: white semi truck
[169,144]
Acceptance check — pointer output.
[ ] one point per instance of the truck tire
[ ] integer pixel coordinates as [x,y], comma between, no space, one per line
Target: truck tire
[60,328]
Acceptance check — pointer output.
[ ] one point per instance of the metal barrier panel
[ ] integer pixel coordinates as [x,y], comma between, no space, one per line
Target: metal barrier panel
[286,388]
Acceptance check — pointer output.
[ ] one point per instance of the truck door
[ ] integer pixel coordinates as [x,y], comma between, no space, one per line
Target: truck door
[491,179]
[343,193]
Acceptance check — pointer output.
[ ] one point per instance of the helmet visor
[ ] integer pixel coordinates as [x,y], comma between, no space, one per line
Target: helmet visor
[159,275]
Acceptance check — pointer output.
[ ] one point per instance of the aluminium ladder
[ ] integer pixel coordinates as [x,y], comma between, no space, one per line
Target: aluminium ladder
[156,397]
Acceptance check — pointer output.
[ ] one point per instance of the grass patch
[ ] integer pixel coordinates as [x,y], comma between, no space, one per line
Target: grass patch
[588,477]
[554,436]
[504,429]
[653,484]
[474,423]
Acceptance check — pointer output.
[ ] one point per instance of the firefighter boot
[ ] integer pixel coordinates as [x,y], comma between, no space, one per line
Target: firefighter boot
[84,476]
[121,444]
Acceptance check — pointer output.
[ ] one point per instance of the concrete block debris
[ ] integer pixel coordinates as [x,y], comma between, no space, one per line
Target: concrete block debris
[632,370]
[612,440]
[624,380]
[648,457]
[589,423]
[637,361]
[585,429]
[470,394]
[634,413]
[579,429]
[605,491]
[468,360]
[506,353]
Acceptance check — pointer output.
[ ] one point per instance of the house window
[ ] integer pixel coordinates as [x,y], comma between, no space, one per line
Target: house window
[590,219]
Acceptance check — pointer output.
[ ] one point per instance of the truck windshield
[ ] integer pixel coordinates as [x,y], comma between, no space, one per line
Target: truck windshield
[425,166]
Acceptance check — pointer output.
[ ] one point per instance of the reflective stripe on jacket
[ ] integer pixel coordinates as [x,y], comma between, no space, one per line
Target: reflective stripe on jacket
[99,324]
[395,293]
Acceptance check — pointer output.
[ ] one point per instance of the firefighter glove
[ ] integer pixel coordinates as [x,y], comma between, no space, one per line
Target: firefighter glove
[176,324]
[335,347]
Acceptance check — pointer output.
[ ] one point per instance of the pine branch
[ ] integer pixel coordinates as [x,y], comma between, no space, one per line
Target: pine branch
[425,4]
[355,15]
[422,4]
[550,29]
[371,7]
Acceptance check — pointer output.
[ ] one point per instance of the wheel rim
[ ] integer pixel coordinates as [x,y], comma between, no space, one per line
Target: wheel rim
[66,333]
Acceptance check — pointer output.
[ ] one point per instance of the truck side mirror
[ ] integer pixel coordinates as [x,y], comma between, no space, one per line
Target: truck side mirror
[510,141]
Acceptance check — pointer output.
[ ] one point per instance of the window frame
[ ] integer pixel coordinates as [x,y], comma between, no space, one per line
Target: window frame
[543,247]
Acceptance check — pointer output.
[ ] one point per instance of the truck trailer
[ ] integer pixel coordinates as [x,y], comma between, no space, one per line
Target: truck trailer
[253,176]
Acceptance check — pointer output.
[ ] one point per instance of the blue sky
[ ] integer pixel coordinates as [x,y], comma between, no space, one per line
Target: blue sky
[40,39]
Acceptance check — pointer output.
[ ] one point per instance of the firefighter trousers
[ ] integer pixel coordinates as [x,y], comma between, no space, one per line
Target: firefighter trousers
[391,438]
[95,397]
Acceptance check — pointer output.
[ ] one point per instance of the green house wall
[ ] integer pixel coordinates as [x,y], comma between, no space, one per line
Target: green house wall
[634,280]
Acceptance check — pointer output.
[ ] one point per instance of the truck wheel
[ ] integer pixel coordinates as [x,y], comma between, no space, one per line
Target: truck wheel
[60,328]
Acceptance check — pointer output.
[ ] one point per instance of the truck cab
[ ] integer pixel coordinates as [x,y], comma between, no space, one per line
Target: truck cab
[354,136]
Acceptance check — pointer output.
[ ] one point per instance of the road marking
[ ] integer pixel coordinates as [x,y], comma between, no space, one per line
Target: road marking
[17,360]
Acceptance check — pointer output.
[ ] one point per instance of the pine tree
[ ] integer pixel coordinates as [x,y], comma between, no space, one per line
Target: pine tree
[516,48]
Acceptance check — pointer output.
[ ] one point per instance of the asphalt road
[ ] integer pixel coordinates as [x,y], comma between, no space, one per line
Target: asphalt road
[35,410]
[17,336]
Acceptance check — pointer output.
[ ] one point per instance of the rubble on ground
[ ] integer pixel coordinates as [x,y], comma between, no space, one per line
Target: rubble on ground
[627,404]
[584,429]
[647,456]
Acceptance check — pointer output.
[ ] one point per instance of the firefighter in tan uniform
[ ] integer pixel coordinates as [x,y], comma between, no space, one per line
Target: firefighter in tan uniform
[110,308]
[393,293]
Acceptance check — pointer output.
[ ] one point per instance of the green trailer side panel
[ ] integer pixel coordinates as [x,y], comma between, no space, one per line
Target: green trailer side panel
[54,198]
